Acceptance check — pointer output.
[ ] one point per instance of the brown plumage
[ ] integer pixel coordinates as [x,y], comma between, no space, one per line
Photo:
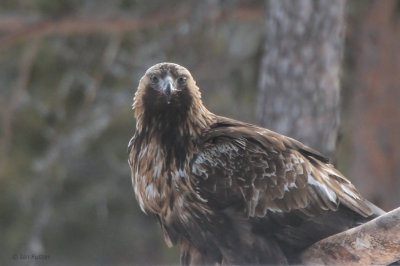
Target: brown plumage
[226,191]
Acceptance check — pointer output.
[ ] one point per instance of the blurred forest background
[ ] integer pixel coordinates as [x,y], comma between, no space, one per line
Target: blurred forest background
[68,73]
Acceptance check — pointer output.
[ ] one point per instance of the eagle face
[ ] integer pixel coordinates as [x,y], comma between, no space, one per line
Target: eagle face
[166,86]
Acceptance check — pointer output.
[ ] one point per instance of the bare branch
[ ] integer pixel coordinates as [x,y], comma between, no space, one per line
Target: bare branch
[8,111]
[84,25]
[19,29]
[109,56]
[376,242]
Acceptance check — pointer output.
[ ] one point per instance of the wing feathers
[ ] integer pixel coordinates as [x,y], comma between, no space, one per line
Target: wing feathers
[268,172]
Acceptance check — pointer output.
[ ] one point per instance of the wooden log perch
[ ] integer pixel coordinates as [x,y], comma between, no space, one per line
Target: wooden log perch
[376,242]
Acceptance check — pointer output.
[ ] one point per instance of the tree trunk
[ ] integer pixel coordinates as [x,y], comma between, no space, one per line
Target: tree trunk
[299,79]
[374,118]
[299,97]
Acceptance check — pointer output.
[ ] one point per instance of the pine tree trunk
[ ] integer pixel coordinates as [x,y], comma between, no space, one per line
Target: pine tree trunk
[374,105]
[299,79]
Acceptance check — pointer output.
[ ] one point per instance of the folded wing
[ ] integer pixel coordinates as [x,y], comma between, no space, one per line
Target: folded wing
[246,166]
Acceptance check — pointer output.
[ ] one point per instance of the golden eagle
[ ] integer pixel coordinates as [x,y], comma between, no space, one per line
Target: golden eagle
[226,191]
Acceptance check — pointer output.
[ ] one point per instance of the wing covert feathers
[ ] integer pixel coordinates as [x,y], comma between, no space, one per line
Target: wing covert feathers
[269,172]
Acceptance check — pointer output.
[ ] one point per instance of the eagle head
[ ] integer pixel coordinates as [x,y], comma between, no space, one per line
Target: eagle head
[166,87]
[168,98]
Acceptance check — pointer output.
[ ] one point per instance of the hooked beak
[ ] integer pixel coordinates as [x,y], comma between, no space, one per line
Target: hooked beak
[168,88]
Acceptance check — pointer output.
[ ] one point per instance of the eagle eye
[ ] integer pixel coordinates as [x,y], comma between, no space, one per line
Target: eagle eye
[182,80]
[154,79]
